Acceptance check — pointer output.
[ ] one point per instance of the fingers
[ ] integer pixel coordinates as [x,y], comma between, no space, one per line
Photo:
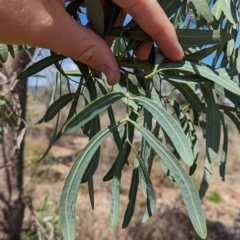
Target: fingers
[82,44]
[143,50]
[152,19]
[54,29]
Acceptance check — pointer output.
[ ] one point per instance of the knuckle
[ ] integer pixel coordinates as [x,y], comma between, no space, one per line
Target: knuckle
[162,30]
[87,55]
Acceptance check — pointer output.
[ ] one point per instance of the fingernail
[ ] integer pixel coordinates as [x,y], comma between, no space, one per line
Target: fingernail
[111,77]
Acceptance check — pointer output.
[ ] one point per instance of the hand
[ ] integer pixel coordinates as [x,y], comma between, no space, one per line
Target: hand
[46,24]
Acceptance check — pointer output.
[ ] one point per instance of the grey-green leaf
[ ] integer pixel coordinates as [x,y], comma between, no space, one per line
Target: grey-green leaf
[206,72]
[56,106]
[188,191]
[73,180]
[40,65]
[90,111]
[170,126]
[203,8]
[213,126]
[95,12]
[230,11]
[223,159]
[3,52]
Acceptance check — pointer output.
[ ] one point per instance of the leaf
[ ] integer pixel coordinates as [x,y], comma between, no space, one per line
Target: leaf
[145,148]
[126,149]
[235,99]
[11,50]
[213,126]
[188,79]
[151,202]
[135,63]
[112,11]
[72,110]
[130,103]
[3,130]
[132,88]
[202,37]
[132,195]
[203,71]
[230,11]
[188,129]
[185,36]
[112,120]
[93,109]
[120,161]
[195,148]
[170,126]
[3,52]
[190,96]
[234,119]
[223,159]
[40,65]
[73,180]
[94,129]
[56,106]
[217,10]
[91,192]
[199,55]
[170,6]
[203,9]
[135,33]
[95,12]
[52,139]
[73,73]
[208,168]
[188,191]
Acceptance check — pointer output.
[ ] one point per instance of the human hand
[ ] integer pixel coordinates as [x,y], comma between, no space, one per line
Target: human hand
[46,24]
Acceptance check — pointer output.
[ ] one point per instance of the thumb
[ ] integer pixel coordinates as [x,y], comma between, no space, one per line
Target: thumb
[67,37]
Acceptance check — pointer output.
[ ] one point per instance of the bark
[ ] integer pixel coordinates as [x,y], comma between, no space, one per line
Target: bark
[11,156]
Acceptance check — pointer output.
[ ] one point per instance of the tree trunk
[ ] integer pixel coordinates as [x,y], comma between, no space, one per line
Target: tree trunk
[11,155]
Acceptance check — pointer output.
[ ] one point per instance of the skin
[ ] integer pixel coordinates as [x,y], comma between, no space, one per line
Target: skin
[46,24]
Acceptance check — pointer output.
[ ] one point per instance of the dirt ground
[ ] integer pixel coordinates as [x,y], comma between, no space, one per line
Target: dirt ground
[43,182]
[221,204]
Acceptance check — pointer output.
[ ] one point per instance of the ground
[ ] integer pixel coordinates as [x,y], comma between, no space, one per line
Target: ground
[221,203]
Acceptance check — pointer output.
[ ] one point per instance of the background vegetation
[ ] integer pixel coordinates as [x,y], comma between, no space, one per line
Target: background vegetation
[167,126]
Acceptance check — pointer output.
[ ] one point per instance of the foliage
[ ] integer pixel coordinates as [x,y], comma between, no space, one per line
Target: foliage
[43,224]
[205,29]
[214,196]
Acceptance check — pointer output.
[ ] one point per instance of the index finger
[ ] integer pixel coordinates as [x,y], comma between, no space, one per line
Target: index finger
[151,18]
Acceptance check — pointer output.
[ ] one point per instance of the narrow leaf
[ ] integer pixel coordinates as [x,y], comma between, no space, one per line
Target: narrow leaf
[203,71]
[40,65]
[170,126]
[188,191]
[93,109]
[112,11]
[3,52]
[213,126]
[230,11]
[73,180]
[203,9]
[132,195]
[58,105]
[223,159]
[95,12]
